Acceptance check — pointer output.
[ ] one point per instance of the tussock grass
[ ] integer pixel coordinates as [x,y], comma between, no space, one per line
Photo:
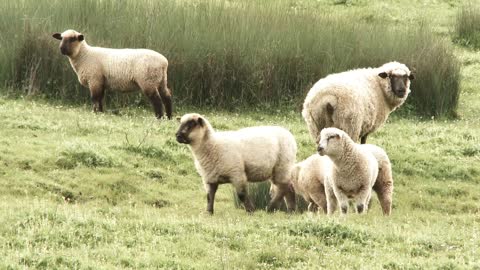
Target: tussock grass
[221,53]
[467,25]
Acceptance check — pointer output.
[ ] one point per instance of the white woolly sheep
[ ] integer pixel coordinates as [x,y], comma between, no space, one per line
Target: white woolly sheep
[357,101]
[247,155]
[353,173]
[308,178]
[123,70]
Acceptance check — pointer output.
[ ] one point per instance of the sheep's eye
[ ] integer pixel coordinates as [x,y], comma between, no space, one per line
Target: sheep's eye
[191,124]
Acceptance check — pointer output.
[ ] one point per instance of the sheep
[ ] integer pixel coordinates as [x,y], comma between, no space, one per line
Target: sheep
[357,101]
[251,154]
[123,70]
[308,178]
[353,173]
[383,186]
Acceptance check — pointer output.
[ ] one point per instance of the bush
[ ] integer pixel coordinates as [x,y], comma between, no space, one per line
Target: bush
[222,53]
[467,26]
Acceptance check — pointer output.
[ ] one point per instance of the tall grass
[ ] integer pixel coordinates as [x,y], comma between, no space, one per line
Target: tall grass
[467,26]
[222,53]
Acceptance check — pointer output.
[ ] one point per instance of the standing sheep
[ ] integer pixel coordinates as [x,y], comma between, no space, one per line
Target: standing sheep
[308,180]
[124,70]
[353,173]
[247,155]
[357,101]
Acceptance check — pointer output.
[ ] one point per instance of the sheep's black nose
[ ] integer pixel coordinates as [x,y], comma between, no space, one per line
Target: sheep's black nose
[181,138]
[319,149]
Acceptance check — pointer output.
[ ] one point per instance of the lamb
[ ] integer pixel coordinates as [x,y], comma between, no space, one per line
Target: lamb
[383,186]
[123,70]
[357,101]
[353,174]
[308,179]
[251,154]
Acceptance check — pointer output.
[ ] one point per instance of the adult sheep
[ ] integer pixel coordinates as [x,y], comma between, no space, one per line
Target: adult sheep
[357,101]
[251,154]
[123,70]
[356,170]
[308,180]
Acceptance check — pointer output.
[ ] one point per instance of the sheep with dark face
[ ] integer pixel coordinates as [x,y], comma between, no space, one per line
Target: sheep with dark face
[123,70]
[251,154]
[357,101]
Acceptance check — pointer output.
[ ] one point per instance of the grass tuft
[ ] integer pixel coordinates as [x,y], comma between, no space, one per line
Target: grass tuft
[467,25]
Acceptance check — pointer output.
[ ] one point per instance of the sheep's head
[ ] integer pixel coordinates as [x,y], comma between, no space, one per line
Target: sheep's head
[331,141]
[399,76]
[71,41]
[193,127]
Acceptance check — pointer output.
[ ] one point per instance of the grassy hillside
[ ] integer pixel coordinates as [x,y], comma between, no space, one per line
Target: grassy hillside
[104,191]
[81,190]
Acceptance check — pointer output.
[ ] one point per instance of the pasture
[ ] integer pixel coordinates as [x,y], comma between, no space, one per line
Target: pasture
[80,190]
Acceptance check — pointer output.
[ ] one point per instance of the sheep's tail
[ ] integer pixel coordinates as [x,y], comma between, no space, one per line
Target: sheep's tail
[319,114]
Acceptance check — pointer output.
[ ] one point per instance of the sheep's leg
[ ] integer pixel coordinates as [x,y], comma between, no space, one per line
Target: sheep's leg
[277,195]
[331,200]
[362,200]
[283,188]
[342,199]
[166,96]
[363,140]
[289,198]
[242,194]
[156,102]
[312,207]
[97,93]
[320,199]
[384,193]
[211,189]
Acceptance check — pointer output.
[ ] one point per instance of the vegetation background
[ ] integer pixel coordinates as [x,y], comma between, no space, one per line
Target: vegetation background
[86,191]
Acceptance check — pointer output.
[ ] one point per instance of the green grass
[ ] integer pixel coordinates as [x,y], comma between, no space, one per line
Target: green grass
[467,25]
[106,191]
[129,197]
[226,54]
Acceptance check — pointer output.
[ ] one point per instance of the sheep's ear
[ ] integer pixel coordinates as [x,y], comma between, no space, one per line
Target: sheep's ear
[200,121]
[57,36]
[411,76]
[383,75]
[80,37]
